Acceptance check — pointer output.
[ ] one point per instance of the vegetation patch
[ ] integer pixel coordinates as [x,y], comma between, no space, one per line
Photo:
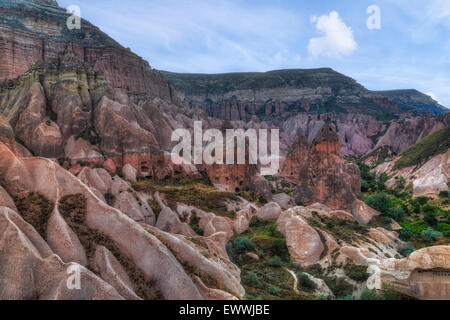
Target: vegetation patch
[156,208]
[357,273]
[36,210]
[195,191]
[73,210]
[424,150]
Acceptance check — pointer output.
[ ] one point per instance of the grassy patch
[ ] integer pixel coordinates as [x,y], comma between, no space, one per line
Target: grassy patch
[357,273]
[36,210]
[194,191]
[424,150]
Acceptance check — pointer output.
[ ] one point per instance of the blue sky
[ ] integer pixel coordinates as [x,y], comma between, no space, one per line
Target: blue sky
[411,50]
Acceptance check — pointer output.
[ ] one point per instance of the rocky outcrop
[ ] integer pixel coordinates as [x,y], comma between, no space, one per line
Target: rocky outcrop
[424,274]
[321,173]
[36,31]
[303,242]
[427,179]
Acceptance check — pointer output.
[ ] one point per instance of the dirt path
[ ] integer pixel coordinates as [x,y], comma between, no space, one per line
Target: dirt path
[295,280]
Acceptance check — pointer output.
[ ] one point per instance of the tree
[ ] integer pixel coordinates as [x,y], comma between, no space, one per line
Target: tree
[380,202]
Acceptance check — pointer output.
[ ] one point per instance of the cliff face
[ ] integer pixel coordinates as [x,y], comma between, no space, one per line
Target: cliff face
[239,96]
[32,31]
[321,173]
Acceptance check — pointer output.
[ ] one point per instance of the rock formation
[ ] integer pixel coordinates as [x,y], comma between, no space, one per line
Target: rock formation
[321,173]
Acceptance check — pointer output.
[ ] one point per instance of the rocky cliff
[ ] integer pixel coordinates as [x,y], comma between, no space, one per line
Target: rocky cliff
[32,31]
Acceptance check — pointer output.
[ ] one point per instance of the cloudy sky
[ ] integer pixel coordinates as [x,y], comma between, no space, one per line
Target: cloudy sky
[411,50]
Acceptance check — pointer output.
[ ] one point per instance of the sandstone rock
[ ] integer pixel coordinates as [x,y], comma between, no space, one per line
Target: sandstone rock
[129,172]
[112,272]
[97,179]
[81,150]
[6,200]
[423,275]
[169,221]
[284,201]
[321,173]
[389,238]
[263,187]
[31,271]
[186,254]
[270,211]
[304,243]
[149,255]
[110,166]
[363,213]
[136,209]
[321,287]
[63,241]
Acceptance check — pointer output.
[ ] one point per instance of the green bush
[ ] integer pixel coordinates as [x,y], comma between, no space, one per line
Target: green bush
[280,249]
[406,234]
[396,213]
[380,202]
[243,244]
[422,200]
[275,262]
[406,251]
[357,273]
[444,228]
[444,194]
[252,279]
[367,294]
[305,283]
[273,291]
[430,235]
[430,219]
[339,286]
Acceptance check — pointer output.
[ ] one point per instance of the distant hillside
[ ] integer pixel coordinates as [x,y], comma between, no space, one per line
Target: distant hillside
[195,84]
[415,101]
[424,150]
[298,90]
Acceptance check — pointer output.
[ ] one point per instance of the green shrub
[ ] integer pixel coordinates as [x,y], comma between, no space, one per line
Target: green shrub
[305,282]
[251,279]
[430,219]
[406,251]
[430,235]
[400,182]
[380,202]
[422,200]
[444,228]
[243,244]
[195,225]
[275,262]
[339,286]
[406,234]
[367,294]
[444,194]
[357,273]
[280,248]
[396,213]
[273,291]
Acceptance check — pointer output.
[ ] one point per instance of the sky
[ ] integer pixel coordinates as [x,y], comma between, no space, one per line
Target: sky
[408,48]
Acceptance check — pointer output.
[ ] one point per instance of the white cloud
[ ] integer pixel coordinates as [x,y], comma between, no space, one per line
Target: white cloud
[337,38]
[433,96]
[438,9]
